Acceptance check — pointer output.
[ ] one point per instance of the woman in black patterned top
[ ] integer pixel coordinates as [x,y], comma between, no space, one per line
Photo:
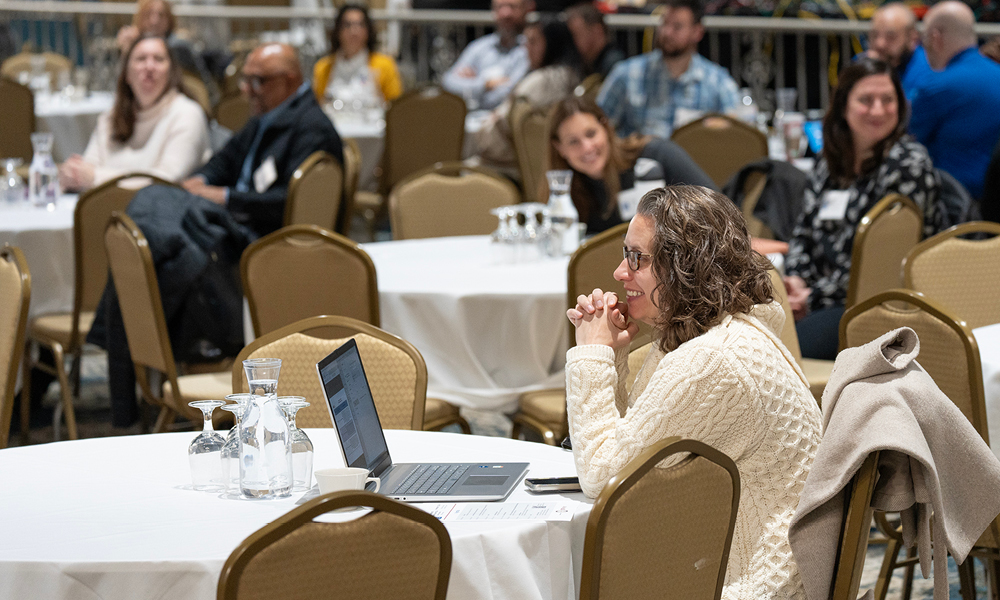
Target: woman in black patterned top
[866,156]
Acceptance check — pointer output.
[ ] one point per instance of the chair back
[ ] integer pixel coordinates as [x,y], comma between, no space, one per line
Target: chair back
[948,350]
[855,531]
[960,274]
[352,175]
[721,145]
[21,63]
[15,295]
[18,122]
[232,111]
[589,87]
[650,525]
[395,551]
[789,337]
[422,127]
[753,188]
[884,236]
[315,192]
[196,89]
[305,271]
[448,199]
[396,371]
[529,128]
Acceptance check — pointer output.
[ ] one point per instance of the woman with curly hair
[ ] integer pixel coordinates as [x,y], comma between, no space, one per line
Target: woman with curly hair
[717,372]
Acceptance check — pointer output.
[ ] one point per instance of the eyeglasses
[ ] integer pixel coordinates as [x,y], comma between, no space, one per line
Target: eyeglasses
[632,258]
[256,82]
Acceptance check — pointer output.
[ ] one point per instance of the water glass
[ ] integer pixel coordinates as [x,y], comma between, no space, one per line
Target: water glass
[264,436]
[302,446]
[793,131]
[205,450]
[43,174]
[11,184]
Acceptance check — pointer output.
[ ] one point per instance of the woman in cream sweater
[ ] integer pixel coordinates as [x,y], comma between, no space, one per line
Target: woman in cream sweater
[717,372]
[152,127]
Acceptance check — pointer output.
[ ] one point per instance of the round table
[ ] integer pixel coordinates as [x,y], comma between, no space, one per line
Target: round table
[70,121]
[488,330]
[988,340]
[114,518]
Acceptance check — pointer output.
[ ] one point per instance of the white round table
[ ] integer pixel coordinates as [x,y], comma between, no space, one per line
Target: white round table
[488,330]
[115,518]
[70,121]
[988,340]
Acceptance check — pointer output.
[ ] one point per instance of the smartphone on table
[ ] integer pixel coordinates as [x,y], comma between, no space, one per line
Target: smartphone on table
[553,484]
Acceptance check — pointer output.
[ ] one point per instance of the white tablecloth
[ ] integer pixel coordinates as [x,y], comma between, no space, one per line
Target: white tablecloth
[71,121]
[487,330]
[46,237]
[988,339]
[115,518]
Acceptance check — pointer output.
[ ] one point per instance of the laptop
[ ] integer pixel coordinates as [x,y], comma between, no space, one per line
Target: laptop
[352,409]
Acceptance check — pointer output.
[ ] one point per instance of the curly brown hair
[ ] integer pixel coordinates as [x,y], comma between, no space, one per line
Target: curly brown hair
[704,266]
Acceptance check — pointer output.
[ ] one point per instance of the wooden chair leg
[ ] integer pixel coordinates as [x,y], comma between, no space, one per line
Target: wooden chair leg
[165,420]
[66,392]
[26,363]
[908,575]
[967,579]
[888,564]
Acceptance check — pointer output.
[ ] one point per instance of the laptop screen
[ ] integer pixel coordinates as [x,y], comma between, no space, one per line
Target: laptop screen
[353,409]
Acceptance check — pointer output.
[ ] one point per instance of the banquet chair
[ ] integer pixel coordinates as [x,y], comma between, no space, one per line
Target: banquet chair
[352,175]
[232,111]
[395,551]
[721,145]
[134,275]
[817,371]
[197,90]
[63,333]
[21,63]
[884,236]
[19,120]
[15,295]
[304,271]
[959,273]
[396,371]
[950,355]
[315,192]
[649,525]
[855,531]
[448,199]
[530,132]
[589,87]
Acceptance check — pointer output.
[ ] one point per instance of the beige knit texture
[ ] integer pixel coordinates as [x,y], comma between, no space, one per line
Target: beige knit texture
[735,388]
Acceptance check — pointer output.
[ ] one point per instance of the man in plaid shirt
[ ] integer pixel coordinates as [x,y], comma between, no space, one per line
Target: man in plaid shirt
[642,94]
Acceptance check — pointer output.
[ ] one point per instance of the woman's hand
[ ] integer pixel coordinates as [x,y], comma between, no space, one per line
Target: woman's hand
[601,318]
[76,174]
[798,295]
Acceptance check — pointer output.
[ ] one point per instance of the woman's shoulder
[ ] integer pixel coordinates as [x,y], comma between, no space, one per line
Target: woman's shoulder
[184,106]
[377,58]
[909,149]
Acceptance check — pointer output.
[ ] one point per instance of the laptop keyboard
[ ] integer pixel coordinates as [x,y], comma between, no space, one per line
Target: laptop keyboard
[431,479]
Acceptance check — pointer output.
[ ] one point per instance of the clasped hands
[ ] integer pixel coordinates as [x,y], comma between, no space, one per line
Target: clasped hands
[601,318]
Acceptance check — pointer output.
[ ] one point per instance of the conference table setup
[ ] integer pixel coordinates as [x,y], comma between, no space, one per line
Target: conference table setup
[118,518]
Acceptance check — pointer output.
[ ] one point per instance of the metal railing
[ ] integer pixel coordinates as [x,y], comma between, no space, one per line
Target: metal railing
[763,54]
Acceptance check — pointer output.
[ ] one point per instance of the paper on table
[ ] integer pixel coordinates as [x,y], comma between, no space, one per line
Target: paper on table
[492,511]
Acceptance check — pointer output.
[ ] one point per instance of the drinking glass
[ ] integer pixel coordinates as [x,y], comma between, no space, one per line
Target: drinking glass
[502,239]
[205,450]
[794,134]
[265,440]
[43,174]
[231,449]
[302,446]
[11,184]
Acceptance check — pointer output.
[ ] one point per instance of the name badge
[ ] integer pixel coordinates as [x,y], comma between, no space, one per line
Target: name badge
[265,175]
[833,205]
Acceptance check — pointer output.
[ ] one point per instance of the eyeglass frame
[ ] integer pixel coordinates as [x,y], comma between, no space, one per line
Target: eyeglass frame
[632,258]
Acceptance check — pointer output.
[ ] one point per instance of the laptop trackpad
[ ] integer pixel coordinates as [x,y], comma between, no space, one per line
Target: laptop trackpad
[485,480]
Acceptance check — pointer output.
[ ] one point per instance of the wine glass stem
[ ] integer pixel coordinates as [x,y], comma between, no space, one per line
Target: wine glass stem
[207,428]
[291,420]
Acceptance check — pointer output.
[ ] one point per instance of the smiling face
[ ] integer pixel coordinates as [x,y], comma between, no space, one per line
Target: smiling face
[583,141]
[893,34]
[640,284]
[353,33]
[148,70]
[872,111]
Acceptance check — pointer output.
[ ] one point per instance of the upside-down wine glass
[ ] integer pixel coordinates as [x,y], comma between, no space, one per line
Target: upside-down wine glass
[231,449]
[205,450]
[302,446]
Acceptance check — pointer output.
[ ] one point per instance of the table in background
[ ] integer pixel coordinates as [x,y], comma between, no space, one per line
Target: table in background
[988,340]
[488,330]
[46,237]
[70,121]
[115,518]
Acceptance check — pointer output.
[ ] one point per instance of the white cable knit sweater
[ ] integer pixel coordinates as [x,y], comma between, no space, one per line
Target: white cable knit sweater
[735,388]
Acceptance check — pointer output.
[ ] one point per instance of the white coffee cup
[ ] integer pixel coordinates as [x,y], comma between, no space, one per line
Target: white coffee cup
[349,478]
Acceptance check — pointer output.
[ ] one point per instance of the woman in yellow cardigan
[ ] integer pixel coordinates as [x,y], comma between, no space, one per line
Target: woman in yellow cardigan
[353,68]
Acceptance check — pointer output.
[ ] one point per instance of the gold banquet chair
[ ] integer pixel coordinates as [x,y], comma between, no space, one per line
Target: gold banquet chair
[352,175]
[315,192]
[395,551]
[64,333]
[855,531]
[960,274]
[15,295]
[232,111]
[530,132]
[396,371]
[18,121]
[817,371]
[134,275]
[883,238]
[305,271]
[448,199]
[197,91]
[721,145]
[21,63]
[950,355]
[649,526]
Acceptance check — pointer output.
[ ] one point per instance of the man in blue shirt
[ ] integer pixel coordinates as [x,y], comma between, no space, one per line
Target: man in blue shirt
[642,94]
[491,66]
[956,107]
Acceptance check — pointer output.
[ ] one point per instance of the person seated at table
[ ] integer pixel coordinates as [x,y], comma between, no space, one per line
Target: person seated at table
[555,71]
[354,70]
[866,156]
[197,233]
[605,165]
[152,126]
[590,34]
[717,372]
